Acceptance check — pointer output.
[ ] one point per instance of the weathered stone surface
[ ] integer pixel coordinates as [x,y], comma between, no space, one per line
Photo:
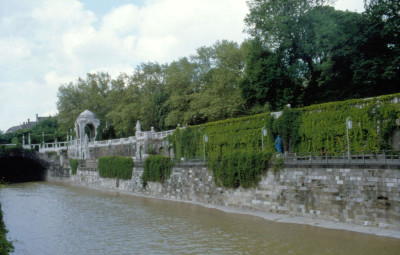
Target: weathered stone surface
[368,197]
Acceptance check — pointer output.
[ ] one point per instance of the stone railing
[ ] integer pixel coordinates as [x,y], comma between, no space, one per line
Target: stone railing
[46,147]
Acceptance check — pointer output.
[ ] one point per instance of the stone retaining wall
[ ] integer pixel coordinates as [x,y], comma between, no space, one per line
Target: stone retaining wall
[368,197]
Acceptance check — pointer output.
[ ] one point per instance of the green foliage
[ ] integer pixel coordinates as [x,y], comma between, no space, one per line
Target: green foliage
[318,128]
[74,165]
[288,126]
[48,126]
[267,79]
[115,166]
[15,150]
[224,137]
[278,163]
[239,169]
[157,168]
[50,153]
[6,246]
[323,128]
[306,48]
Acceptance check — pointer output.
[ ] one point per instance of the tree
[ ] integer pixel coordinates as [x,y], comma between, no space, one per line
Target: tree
[143,98]
[219,69]
[181,83]
[89,94]
[267,80]
[335,55]
[377,67]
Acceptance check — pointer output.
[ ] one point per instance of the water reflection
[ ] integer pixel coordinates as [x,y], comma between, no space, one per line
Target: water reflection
[56,219]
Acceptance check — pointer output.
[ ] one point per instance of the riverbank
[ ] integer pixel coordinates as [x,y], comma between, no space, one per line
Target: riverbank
[363,199]
[5,246]
[279,218]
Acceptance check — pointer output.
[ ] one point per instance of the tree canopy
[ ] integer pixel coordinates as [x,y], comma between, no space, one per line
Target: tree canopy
[299,52]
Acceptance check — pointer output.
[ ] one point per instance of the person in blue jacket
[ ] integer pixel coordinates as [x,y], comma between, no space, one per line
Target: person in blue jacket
[279,144]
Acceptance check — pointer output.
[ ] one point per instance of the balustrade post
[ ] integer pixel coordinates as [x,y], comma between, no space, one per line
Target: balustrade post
[384,157]
[363,156]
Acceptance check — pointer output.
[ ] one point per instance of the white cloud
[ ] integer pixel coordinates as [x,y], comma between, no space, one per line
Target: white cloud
[14,50]
[353,5]
[122,20]
[46,43]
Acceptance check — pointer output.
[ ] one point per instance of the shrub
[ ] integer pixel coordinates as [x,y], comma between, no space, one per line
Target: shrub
[73,163]
[115,166]
[239,169]
[157,168]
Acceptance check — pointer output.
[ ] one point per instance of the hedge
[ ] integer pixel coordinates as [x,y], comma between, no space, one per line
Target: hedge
[73,163]
[157,168]
[115,166]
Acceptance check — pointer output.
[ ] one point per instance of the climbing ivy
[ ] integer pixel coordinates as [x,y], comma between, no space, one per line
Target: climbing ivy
[319,128]
[323,127]
[288,125]
[224,137]
[157,168]
[239,169]
[115,166]
[74,165]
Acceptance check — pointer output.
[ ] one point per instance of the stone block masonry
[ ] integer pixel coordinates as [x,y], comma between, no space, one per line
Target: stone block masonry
[369,197]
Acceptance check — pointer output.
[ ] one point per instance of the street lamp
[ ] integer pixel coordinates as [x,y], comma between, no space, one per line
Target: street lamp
[264,132]
[205,139]
[55,139]
[349,125]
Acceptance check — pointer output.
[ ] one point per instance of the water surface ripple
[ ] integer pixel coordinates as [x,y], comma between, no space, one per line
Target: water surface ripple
[46,218]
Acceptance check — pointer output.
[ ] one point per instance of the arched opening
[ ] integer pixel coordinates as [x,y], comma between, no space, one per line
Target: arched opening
[90,132]
[161,151]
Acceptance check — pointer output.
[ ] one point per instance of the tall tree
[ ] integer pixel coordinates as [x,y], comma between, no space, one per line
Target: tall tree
[181,83]
[267,80]
[89,94]
[220,68]
[377,67]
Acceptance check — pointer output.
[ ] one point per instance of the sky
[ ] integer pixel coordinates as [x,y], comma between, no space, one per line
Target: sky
[48,43]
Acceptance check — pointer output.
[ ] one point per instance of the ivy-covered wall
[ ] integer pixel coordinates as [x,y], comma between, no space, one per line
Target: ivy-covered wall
[157,168]
[115,166]
[318,129]
[323,128]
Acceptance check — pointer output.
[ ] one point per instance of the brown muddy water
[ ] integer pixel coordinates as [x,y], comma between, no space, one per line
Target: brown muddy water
[46,218]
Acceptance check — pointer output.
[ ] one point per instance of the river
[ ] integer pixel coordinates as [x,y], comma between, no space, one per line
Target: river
[46,218]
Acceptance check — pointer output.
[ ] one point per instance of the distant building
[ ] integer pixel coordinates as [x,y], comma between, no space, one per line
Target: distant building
[25,125]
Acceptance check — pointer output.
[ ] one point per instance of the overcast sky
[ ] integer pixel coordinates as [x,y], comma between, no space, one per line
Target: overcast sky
[46,43]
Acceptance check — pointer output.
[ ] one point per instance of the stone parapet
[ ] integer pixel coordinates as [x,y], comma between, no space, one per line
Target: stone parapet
[361,196]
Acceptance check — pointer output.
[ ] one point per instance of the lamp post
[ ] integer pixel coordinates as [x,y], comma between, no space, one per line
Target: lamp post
[264,132]
[55,139]
[349,125]
[43,139]
[205,139]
